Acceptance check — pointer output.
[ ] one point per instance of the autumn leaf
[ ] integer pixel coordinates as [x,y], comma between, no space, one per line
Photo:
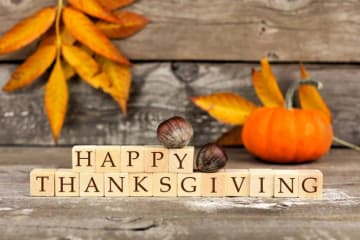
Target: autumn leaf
[66,37]
[228,108]
[69,71]
[88,34]
[34,66]
[115,4]
[310,97]
[233,137]
[266,86]
[130,23]
[28,30]
[56,99]
[94,9]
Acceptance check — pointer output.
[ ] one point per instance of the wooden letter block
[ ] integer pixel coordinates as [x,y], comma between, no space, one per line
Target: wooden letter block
[310,184]
[116,184]
[107,159]
[66,183]
[42,182]
[156,159]
[140,184]
[91,184]
[165,184]
[237,182]
[213,184]
[189,184]
[132,159]
[286,183]
[261,182]
[83,158]
[181,160]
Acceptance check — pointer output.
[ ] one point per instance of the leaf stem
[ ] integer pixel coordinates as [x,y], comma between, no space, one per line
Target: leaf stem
[57,28]
[346,144]
[291,91]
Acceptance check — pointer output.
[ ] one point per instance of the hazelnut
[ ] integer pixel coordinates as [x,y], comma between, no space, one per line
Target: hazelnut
[175,132]
[211,158]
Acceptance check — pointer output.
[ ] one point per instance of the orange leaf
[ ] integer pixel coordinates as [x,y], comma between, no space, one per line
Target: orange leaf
[56,100]
[69,71]
[66,37]
[88,34]
[229,108]
[131,23]
[310,97]
[120,77]
[28,30]
[84,65]
[94,9]
[34,66]
[266,86]
[232,137]
[115,4]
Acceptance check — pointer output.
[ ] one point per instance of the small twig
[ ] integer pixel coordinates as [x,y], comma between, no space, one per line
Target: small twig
[346,144]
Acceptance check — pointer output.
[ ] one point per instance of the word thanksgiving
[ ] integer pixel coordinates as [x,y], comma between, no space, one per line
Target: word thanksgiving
[115,171]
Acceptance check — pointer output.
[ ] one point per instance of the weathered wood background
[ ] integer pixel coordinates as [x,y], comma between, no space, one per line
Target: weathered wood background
[193,48]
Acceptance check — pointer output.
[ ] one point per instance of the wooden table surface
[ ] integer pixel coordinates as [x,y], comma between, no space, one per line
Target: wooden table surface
[336,216]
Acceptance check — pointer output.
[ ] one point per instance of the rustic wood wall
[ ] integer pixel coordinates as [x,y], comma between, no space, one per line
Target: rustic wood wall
[193,48]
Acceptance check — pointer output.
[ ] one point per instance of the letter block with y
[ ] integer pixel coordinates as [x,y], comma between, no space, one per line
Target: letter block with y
[132,159]
[181,160]
[140,184]
[108,159]
[66,183]
[42,182]
[83,158]
[310,183]
[237,182]
[286,183]
[189,184]
[156,159]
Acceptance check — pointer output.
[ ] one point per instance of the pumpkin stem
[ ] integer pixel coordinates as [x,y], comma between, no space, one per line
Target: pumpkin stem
[291,91]
[346,144]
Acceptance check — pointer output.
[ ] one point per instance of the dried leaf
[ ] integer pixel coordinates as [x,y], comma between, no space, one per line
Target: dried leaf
[28,30]
[130,23]
[84,65]
[94,9]
[120,77]
[115,4]
[88,34]
[232,137]
[310,97]
[34,66]
[56,99]
[266,86]
[229,108]
[69,71]
[66,37]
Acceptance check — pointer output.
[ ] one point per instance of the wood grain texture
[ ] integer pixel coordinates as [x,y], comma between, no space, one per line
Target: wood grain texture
[336,216]
[159,91]
[231,30]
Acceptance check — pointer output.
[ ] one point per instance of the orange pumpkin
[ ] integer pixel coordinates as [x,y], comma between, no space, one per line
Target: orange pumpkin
[286,135]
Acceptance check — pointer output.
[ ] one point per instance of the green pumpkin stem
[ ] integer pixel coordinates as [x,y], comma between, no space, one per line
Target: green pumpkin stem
[292,89]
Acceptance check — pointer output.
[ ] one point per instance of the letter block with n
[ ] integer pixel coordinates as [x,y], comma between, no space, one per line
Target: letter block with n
[286,183]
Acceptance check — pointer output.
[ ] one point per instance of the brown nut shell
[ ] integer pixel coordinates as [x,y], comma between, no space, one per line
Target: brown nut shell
[211,158]
[175,132]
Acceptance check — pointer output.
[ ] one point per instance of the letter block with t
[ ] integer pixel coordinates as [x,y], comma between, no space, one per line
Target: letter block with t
[66,183]
[156,159]
[132,159]
[42,182]
[108,159]
[310,183]
[140,184]
[181,160]
[286,183]
[83,158]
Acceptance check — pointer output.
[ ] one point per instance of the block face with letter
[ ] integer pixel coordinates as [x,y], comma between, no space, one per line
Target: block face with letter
[261,182]
[156,159]
[189,184]
[237,182]
[108,159]
[91,184]
[42,182]
[181,160]
[66,183]
[116,184]
[140,184]
[213,184]
[132,159]
[310,184]
[83,158]
[286,183]
[165,184]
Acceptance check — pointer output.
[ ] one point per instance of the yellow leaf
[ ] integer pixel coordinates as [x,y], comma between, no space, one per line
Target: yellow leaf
[115,4]
[266,86]
[66,37]
[120,77]
[69,71]
[130,23]
[88,34]
[229,108]
[232,137]
[56,99]
[310,97]
[84,65]
[94,9]
[34,66]
[27,31]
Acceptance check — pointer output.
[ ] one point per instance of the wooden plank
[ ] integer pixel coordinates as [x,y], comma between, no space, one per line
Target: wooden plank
[336,216]
[231,30]
[159,91]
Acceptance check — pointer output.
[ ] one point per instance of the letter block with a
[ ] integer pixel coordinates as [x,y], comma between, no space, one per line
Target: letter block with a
[91,184]
[107,159]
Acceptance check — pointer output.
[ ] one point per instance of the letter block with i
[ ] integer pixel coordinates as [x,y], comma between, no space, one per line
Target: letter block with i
[286,183]
[213,184]
[261,182]
[83,158]
[66,183]
[181,160]
[132,159]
